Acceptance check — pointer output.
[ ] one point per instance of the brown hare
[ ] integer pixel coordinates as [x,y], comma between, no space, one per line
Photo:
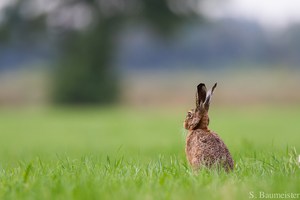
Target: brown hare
[204,147]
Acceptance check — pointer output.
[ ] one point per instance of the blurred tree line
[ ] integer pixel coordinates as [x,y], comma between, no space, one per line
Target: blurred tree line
[85,32]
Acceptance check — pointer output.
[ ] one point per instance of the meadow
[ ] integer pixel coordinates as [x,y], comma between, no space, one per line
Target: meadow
[135,153]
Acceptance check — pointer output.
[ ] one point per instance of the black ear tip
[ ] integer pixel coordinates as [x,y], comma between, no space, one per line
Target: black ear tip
[201,85]
[213,88]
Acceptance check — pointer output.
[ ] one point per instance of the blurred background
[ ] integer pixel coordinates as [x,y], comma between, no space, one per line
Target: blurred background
[98,63]
[148,52]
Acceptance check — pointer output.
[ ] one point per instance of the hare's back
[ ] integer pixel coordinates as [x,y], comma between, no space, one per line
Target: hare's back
[207,148]
[221,152]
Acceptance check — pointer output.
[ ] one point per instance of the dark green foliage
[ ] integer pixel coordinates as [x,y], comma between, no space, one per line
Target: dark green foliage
[85,74]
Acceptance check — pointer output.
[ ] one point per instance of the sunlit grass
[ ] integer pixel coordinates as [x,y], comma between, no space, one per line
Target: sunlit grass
[120,153]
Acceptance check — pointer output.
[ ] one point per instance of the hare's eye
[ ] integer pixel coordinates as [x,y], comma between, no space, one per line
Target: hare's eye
[189,114]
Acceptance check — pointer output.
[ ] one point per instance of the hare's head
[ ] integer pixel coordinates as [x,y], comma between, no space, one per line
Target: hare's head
[198,117]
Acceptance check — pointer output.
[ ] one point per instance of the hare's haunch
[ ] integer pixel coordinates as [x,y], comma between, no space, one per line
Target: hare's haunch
[204,147]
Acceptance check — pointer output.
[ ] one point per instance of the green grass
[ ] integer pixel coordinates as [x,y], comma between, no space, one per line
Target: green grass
[120,153]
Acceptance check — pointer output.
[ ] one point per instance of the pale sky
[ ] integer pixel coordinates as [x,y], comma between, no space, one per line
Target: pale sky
[275,14]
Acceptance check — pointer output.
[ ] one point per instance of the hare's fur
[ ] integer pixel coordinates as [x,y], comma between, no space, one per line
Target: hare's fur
[204,147]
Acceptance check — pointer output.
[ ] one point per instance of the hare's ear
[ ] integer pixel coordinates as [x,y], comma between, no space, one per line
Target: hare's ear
[208,97]
[213,88]
[200,95]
